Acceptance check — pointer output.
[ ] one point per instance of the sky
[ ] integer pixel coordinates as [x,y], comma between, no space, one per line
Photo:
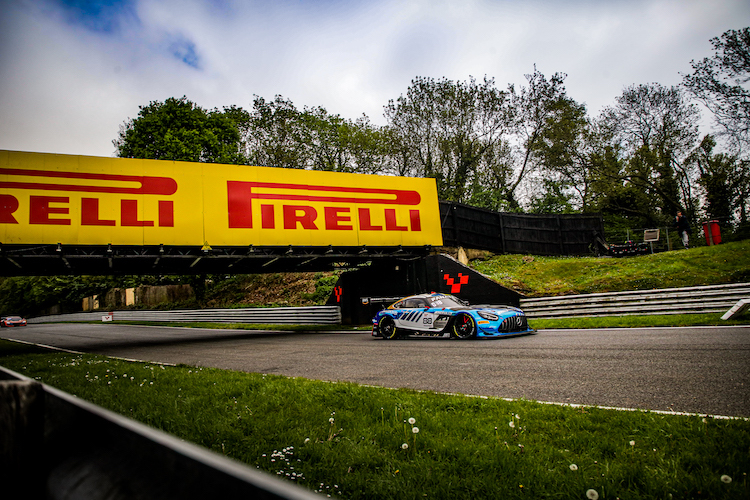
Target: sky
[74,71]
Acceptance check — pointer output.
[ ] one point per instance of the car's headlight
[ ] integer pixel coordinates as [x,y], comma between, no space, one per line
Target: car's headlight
[488,315]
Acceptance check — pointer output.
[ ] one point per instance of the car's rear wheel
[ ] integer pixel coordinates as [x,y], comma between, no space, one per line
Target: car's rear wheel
[387,328]
[464,327]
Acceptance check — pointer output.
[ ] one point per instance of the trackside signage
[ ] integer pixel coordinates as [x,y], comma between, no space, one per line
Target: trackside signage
[83,200]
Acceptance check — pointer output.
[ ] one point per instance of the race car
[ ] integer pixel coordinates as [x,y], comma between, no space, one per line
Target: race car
[442,315]
[12,321]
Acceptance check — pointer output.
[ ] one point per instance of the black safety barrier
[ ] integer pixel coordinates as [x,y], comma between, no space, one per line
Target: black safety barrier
[56,446]
[536,234]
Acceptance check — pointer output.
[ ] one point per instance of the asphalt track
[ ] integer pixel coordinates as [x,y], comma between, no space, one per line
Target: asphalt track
[702,370]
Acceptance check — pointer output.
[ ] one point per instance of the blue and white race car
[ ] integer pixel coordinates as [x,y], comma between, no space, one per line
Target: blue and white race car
[441,315]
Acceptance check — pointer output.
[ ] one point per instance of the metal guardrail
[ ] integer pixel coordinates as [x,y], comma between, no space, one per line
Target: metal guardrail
[688,300]
[312,315]
[56,446]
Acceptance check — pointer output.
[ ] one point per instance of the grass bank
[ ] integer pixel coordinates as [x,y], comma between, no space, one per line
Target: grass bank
[549,276]
[358,442]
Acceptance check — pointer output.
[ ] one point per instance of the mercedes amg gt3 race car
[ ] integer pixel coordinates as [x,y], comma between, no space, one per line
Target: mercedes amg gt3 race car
[441,315]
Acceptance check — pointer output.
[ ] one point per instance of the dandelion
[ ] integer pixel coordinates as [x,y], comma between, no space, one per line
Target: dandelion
[512,424]
[632,443]
[415,430]
[412,421]
[573,467]
[331,420]
[726,479]
[307,440]
[592,495]
[404,446]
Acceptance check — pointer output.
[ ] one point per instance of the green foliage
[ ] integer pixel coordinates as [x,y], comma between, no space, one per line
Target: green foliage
[30,295]
[447,130]
[34,296]
[280,135]
[652,129]
[177,129]
[323,288]
[348,440]
[639,321]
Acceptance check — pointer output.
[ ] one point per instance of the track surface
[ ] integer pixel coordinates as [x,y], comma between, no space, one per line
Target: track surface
[695,370]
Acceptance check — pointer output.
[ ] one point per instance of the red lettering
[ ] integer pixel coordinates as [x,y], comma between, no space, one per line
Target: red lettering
[416,222]
[239,204]
[267,218]
[129,214]
[8,205]
[334,220]
[39,210]
[90,213]
[364,221]
[166,213]
[390,221]
[306,218]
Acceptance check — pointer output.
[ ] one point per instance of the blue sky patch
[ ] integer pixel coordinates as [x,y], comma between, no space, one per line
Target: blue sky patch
[184,50]
[101,16]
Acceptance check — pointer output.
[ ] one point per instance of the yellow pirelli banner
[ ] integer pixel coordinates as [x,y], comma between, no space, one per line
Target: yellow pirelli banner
[84,200]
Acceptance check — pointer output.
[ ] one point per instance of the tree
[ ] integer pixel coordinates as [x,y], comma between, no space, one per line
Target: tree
[721,83]
[654,128]
[341,145]
[540,127]
[177,129]
[554,137]
[281,135]
[726,184]
[446,130]
[275,135]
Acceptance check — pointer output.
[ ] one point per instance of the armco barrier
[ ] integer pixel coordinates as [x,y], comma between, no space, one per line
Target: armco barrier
[689,300]
[312,315]
[55,446]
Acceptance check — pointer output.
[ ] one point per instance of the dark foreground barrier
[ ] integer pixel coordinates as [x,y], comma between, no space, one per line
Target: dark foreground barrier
[55,446]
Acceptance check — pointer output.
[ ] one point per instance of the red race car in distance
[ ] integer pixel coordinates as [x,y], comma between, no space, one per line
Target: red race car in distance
[9,321]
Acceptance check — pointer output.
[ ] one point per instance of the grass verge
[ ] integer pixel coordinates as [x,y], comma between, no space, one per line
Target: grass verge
[354,442]
[635,321]
[549,276]
[640,321]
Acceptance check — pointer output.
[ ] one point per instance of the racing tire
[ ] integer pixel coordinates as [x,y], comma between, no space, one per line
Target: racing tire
[464,327]
[387,328]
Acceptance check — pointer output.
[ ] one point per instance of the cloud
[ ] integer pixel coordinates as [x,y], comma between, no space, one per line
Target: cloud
[74,70]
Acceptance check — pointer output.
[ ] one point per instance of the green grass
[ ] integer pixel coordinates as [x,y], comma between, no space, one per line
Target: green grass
[634,321]
[465,447]
[550,276]
[639,321]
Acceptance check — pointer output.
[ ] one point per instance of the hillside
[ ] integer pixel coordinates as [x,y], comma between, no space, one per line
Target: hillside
[533,276]
[548,276]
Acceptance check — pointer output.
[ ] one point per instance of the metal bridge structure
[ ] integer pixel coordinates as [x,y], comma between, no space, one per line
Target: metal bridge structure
[51,260]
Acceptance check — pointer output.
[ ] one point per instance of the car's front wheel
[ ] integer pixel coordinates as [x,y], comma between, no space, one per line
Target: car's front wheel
[464,327]
[387,328]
